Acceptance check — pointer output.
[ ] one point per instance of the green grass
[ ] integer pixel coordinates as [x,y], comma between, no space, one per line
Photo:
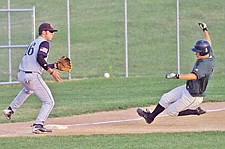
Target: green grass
[99,94]
[97,46]
[197,140]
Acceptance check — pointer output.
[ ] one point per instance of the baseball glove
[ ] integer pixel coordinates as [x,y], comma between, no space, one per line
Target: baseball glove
[63,64]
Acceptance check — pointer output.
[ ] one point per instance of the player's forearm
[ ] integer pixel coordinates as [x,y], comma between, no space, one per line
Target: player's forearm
[190,76]
[207,37]
[50,71]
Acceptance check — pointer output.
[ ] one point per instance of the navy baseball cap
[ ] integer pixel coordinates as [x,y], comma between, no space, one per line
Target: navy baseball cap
[46,27]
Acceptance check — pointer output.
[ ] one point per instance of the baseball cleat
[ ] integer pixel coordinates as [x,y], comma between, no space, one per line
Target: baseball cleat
[200,111]
[8,113]
[146,115]
[40,129]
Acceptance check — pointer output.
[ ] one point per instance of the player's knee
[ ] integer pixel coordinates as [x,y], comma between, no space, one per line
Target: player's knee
[52,102]
[49,102]
[164,101]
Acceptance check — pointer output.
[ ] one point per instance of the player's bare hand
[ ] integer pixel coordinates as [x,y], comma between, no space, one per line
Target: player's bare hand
[172,76]
[56,76]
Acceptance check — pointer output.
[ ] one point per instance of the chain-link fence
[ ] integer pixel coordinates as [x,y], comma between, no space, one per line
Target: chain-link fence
[17,30]
[97,35]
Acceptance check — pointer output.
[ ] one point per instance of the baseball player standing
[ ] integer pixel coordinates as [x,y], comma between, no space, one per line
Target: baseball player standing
[29,75]
[179,101]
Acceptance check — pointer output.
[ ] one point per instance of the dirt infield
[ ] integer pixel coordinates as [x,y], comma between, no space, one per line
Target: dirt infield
[124,121]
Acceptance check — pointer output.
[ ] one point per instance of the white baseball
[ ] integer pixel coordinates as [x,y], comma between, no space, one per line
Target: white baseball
[106,75]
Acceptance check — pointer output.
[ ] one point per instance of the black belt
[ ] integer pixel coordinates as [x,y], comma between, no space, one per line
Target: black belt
[26,71]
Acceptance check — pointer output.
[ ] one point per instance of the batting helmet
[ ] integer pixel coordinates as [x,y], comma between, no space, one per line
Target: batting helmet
[202,46]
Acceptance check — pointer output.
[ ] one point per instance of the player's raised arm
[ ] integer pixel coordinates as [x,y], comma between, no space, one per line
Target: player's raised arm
[204,28]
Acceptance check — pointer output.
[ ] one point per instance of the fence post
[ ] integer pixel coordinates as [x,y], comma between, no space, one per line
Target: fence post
[10,46]
[125,38]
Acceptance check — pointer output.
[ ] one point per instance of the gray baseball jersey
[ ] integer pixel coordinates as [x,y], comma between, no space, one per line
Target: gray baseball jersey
[29,61]
[203,69]
[29,76]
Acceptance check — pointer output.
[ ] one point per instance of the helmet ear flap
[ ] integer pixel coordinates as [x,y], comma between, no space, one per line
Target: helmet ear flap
[205,52]
[202,53]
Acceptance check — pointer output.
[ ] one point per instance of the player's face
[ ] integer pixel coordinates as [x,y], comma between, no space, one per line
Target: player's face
[198,56]
[48,35]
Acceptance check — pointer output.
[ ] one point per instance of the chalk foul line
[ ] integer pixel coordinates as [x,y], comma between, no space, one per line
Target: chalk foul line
[58,126]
